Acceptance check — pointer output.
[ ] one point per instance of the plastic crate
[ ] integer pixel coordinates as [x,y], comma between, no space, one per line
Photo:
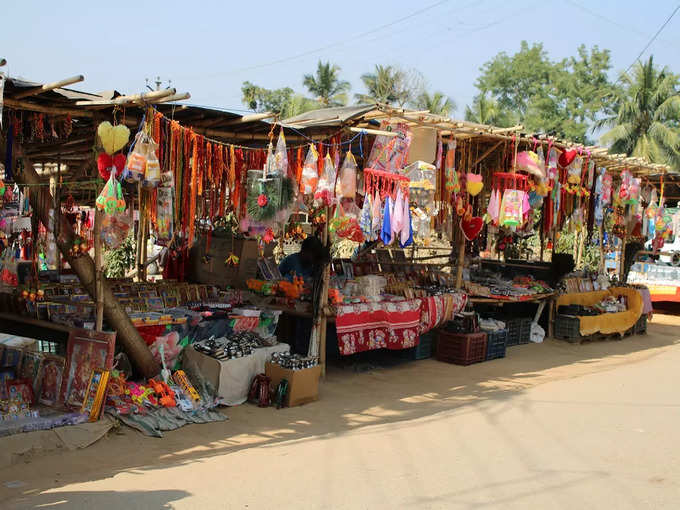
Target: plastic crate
[640,327]
[496,342]
[567,327]
[423,350]
[519,330]
[461,348]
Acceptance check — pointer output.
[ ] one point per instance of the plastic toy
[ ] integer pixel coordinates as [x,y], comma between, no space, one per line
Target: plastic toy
[180,377]
[165,394]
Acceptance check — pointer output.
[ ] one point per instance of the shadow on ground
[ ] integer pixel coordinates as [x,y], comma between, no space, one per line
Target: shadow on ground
[129,500]
[350,402]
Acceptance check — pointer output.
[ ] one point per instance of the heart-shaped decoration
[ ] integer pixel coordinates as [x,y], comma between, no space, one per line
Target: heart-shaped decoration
[566,158]
[113,138]
[106,162]
[472,227]
[474,184]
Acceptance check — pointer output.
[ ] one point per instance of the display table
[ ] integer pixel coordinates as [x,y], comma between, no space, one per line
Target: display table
[392,324]
[231,379]
[605,323]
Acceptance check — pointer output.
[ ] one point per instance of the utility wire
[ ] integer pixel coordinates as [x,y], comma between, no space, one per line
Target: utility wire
[653,38]
[332,45]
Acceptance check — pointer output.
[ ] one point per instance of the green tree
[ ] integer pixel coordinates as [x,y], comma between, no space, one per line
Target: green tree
[326,86]
[390,85]
[486,110]
[437,103]
[284,101]
[564,98]
[647,118]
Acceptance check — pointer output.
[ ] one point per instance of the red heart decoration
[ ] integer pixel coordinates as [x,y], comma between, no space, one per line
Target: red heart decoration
[119,161]
[105,162]
[566,158]
[472,227]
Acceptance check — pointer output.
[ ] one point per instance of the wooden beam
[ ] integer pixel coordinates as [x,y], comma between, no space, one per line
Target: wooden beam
[175,97]
[147,97]
[376,132]
[49,86]
[52,110]
[232,135]
[486,153]
[249,118]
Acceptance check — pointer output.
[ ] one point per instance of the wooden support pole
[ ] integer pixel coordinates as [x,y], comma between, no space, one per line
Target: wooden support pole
[34,91]
[324,303]
[486,153]
[175,97]
[99,297]
[83,266]
[460,262]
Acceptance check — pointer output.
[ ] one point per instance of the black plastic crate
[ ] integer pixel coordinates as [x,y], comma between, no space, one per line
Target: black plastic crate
[567,327]
[496,342]
[519,330]
[424,349]
[640,327]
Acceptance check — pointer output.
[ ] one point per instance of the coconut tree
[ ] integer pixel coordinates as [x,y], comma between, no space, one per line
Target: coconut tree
[647,112]
[485,110]
[383,85]
[326,86]
[437,103]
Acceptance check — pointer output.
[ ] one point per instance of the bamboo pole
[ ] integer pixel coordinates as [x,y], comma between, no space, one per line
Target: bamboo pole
[121,100]
[323,304]
[49,86]
[175,97]
[140,233]
[376,132]
[83,266]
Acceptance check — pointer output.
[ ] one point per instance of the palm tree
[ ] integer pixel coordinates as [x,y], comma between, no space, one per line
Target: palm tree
[485,110]
[326,86]
[437,103]
[647,111]
[383,85]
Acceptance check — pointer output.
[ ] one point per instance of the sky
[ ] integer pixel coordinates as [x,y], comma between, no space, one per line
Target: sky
[209,48]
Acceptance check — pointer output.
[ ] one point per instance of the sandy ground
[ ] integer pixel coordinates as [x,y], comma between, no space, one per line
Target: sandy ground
[553,425]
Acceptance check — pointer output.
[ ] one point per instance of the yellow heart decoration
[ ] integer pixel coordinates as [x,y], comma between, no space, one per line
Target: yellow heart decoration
[113,138]
[474,187]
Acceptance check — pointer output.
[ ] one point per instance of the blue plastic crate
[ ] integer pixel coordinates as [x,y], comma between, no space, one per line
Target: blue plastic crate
[496,342]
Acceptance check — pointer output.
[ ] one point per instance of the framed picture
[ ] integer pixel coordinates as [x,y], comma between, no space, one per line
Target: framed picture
[171,301]
[20,390]
[6,374]
[12,358]
[86,351]
[31,369]
[95,394]
[52,376]
[154,303]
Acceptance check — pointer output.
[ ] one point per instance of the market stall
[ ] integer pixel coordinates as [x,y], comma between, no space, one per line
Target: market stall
[429,207]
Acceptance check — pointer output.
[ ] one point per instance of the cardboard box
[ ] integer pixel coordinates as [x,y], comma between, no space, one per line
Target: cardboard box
[303,385]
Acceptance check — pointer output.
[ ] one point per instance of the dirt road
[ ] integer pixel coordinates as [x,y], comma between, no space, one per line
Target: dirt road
[552,426]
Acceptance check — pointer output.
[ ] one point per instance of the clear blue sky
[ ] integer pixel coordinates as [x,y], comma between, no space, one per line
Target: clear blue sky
[209,48]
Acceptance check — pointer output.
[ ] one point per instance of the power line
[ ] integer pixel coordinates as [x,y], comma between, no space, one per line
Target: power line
[332,45]
[653,38]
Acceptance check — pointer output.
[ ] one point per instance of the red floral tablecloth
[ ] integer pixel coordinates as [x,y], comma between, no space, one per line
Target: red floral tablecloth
[382,325]
[392,324]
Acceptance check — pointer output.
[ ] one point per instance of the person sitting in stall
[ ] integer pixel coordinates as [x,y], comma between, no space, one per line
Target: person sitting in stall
[305,262]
